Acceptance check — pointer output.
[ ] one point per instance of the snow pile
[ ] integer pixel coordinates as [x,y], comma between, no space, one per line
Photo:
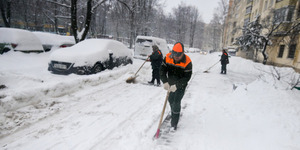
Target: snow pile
[249,108]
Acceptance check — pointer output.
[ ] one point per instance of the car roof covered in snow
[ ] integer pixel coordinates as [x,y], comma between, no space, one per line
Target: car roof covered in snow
[53,39]
[25,40]
[89,51]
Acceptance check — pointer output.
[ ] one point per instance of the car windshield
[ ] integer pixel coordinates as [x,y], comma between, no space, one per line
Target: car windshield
[143,40]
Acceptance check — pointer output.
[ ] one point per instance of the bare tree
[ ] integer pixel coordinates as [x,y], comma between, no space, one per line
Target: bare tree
[5,8]
[132,7]
[252,37]
[222,13]
[270,27]
[182,14]
[81,35]
[139,14]
[193,23]
[216,32]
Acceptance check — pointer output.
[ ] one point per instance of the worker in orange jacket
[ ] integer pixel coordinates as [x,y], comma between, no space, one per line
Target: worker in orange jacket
[156,59]
[175,72]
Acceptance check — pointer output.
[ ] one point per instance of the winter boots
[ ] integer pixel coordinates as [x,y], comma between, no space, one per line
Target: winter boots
[152,82]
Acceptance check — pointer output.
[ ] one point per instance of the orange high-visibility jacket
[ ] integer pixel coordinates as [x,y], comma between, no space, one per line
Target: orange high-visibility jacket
[176,73]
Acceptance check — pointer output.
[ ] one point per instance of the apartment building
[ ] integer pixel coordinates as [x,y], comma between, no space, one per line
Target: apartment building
[281,22]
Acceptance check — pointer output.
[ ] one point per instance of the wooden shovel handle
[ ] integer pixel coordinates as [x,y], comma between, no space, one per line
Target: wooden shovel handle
[162,114]
[141,66]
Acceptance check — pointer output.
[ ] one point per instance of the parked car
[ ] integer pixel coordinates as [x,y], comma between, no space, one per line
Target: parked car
[203,52]
[89,57]
[54,41]
[170,46]
[19,40]
[193,50]
[232,52]
[143,46]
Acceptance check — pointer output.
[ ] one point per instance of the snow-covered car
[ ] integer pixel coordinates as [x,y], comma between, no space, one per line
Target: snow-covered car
[143,46]
[232,52]
[170,46]
[19,40]
[89,57]
[193,50]
[52,41]
[204,52]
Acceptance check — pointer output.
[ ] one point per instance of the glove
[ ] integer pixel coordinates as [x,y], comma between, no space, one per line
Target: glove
[173,88]
[166,86]
[170,88]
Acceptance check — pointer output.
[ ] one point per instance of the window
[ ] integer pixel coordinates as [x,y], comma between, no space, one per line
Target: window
[281,50]
[292,51]
[234,25]
[246,21]
[283,14]
[290,14]
[266,5]
[248,10]
[143,40]
[232,39]
[298,14]
[271,3]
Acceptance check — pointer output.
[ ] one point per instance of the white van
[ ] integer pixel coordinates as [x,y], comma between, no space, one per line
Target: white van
[143,46]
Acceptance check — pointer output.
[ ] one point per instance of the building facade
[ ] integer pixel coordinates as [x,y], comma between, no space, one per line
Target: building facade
[281,24]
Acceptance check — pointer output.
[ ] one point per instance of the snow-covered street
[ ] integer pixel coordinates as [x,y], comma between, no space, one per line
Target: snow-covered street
[247,109]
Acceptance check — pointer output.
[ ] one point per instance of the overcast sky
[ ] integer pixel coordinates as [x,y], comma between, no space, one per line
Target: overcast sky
[205,7]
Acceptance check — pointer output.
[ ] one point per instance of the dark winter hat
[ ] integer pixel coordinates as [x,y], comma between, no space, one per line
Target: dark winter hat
[155,48]
[177,50]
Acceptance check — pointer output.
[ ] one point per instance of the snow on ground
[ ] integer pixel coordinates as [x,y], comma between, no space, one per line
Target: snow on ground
[246,109]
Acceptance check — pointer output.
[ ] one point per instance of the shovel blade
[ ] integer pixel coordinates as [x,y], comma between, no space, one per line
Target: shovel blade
[131,79]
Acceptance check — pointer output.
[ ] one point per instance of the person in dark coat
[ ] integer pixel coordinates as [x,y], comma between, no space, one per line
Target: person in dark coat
[156,59]
[224,61]
[175,72]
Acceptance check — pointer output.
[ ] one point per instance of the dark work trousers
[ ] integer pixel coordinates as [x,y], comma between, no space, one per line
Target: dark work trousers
[155,75]
[223,68]
[175,104]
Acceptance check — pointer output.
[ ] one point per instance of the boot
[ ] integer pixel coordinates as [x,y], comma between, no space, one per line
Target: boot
[158,83]
[173,129]
[174,120]
[151,82]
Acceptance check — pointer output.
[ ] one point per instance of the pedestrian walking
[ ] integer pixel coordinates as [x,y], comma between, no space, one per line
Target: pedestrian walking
[175,72]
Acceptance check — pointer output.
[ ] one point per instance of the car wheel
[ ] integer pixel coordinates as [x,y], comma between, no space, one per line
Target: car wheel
[97,68]
[6,50]
[129,61]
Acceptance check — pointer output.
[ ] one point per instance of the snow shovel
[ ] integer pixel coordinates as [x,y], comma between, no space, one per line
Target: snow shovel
[132,79]
[162,116]
[206,71]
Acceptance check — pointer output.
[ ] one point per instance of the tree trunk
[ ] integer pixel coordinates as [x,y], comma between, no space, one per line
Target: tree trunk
[55,18]
[131,30]
[88,19]
[5,15]
[74,19]
[264,53]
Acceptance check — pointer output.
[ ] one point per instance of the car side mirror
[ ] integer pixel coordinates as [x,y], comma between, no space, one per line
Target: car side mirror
[110,52]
